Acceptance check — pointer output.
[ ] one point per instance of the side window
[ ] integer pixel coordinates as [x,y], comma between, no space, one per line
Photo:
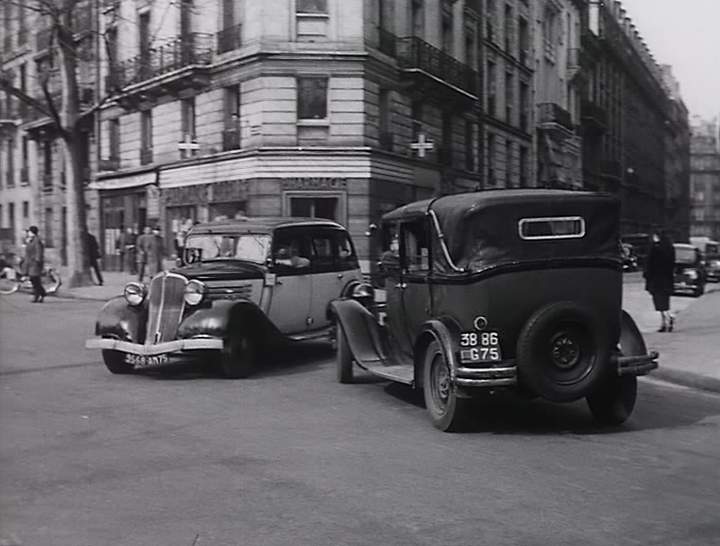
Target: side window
[323,250]
[347,259]
[416,247]
[291,251]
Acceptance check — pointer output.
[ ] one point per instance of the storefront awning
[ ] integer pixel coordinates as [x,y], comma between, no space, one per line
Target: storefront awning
[124,182]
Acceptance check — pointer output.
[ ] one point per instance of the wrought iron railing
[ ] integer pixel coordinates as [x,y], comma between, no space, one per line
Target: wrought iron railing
[387,42]
[229,39]
[549,112]
[180,52]
[231,139]
[110,164]
[414,53]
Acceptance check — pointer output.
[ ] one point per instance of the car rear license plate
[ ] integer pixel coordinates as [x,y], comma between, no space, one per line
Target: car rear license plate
[480,347]
[146,361]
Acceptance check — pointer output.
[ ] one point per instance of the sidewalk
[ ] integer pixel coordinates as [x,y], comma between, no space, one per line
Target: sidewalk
[689,356]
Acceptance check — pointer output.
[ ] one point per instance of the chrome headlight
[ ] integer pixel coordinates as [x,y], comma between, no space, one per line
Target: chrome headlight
[691,273]
[134,293]
[194,292]
[363,290]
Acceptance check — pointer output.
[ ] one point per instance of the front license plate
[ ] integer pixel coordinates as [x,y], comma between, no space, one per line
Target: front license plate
[480,347]
[146,361]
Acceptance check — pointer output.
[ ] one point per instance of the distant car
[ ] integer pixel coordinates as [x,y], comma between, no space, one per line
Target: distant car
[711,255]
[712,265]
[629,258]
[247,285]
[512,289]
[690,275]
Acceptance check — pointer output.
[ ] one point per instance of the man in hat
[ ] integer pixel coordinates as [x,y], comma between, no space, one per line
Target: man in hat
[34,262]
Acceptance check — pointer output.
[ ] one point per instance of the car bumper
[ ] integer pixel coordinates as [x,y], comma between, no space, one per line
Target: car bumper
[167,347]
[636,365]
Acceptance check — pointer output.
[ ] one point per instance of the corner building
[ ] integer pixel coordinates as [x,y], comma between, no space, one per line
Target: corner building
[341,109]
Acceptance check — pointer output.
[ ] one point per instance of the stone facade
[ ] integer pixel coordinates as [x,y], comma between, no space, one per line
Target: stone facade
[705,180]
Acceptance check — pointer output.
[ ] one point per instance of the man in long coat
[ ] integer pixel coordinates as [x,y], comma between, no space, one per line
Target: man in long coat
[34,263]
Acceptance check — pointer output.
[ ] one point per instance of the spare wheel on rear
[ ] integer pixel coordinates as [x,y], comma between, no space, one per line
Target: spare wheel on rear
[563,352]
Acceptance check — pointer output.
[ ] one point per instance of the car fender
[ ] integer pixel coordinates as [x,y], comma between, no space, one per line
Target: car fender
[224,318]
[631,341]
[361,330]
[446,332]
[119,320]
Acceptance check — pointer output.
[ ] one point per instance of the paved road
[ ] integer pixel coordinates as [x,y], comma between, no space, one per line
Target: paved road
[291,457]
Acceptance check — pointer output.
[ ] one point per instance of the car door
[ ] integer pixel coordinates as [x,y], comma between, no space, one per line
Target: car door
[416,301]
[393,264]
[290,305]
[327,279]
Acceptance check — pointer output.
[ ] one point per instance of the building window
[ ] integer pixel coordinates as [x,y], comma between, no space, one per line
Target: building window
[490,21]
[231,133]
[311,19]
[49,240]
[491,88]
[447,28]
[523,167]
[508,30]
[315,204]
[25,211]
[509,96]
[114,139]
[146,140]
[417,18]
[491,159]
[550,32]
[188,127]
[385,120]
[524,95]
[416,113]
[10,173]
[144,39]
[47,150]
[470,128]
[11,217]
[508,163]
[24,173]
[523,41]
[312,98]
[311,6]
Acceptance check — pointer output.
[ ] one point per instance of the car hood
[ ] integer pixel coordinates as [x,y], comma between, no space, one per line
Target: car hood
[222,270]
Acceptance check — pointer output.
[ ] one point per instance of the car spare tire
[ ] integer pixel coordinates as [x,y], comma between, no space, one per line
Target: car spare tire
[563,352]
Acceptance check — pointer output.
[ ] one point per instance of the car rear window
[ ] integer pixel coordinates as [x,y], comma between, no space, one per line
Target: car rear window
[558,227]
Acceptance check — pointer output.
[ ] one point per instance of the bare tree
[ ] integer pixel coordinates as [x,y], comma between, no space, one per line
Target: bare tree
[68,115]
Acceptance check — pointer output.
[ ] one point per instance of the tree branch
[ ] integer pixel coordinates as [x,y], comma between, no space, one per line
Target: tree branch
[6,86]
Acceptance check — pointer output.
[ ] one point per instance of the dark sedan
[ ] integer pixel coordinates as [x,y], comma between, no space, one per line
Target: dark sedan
[690,274]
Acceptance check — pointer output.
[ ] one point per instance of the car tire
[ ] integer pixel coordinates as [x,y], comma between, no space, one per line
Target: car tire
[447,412]
[699,290]
[115,362]
[563,352]
[344,364]
[613,402]
[237,359]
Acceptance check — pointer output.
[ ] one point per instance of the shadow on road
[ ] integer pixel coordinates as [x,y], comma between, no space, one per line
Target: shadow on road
[658,407]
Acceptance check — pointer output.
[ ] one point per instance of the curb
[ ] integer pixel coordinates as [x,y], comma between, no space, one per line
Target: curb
[687,379]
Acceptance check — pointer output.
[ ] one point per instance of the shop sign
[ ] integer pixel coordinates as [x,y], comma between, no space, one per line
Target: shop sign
[228,191]
[314,183]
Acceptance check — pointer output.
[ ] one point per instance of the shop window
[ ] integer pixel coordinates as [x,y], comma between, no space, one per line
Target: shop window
[314,207]
[312,98]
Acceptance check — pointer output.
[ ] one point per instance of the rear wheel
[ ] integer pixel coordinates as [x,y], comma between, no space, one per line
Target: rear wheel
[447,412]
[238,358]
[344,357]
[8,281]
[613,402]
[115,362]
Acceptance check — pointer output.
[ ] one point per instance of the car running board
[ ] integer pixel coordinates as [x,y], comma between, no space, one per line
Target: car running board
[401,373]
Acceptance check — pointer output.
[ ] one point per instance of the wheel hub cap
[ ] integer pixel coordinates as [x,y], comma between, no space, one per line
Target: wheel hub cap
[565,351]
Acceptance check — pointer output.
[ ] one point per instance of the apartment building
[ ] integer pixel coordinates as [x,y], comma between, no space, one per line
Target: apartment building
[508,61]
[337,109]
[705,179]
[558,80]
[624,111]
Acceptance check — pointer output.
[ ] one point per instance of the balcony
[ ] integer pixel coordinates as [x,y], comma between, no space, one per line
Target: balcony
[229,39]
[230,139]
[594,118]
[175,64]
[434,71]
[146,156]
[110,164]
[555,120]
[387,42]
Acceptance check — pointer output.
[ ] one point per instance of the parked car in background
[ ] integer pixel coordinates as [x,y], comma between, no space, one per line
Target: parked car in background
[641,245]
[629,258]
[247,285]
[690,276]
[711,256]
[501,289]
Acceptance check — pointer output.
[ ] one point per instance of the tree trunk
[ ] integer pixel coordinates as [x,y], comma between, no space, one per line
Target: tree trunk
[77,250]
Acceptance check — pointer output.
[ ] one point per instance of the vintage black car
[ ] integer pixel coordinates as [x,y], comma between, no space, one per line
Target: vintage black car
[690,277]
[516,289]
[246,286]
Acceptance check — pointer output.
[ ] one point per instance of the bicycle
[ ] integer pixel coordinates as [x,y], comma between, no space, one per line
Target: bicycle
[11,280]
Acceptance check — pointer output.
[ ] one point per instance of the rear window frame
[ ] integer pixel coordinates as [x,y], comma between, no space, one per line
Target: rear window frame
[551,237]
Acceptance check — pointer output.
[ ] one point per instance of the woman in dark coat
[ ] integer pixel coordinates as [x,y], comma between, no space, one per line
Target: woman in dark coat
[659,273]
[34,263]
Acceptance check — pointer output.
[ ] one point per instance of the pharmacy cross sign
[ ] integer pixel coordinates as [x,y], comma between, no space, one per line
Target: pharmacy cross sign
[422,145]
[188,143]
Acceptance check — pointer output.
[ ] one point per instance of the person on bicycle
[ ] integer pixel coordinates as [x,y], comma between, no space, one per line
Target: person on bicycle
[34,262]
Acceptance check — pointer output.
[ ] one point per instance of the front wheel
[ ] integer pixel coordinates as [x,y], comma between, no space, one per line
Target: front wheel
[344,357]
[614,401]
[115,362]
[238,358]
[447,412]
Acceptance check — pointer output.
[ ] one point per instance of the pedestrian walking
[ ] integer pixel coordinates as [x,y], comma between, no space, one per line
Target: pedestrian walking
[142,247]
[93,250]
[659,272]
[35,262]
[126,247]
[155,252]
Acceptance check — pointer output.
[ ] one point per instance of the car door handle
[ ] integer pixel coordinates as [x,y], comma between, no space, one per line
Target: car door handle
[340,275]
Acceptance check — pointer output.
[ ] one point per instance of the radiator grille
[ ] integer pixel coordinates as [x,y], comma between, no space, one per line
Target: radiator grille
[166,299]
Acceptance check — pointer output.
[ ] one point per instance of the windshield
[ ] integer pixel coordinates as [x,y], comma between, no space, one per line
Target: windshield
[685,255]
[251,247]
